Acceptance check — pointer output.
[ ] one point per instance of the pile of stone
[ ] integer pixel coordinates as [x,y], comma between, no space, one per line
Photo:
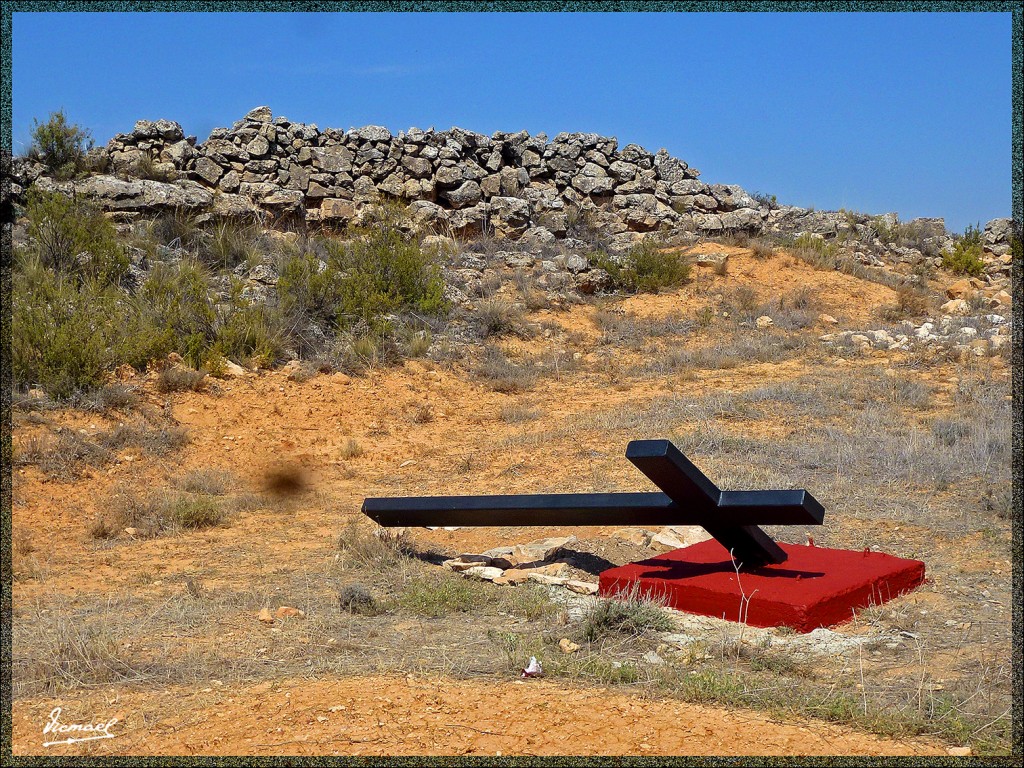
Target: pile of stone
[537,561]
[162,142]
[978,336]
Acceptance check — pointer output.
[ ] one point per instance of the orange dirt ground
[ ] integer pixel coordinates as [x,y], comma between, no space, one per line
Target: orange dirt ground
[257,423]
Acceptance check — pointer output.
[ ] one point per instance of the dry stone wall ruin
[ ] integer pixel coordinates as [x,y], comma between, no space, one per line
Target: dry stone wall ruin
[455,180]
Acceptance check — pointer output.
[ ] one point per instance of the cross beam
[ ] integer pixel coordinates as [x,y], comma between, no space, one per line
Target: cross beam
[688,497]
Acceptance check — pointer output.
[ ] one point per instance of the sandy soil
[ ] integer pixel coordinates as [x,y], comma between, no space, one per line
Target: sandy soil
[433,717]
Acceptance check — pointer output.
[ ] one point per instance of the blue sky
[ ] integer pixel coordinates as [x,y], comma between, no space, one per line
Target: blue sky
[905,112]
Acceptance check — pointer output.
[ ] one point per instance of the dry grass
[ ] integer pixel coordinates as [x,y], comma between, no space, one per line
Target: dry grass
[501,374]
[180,378]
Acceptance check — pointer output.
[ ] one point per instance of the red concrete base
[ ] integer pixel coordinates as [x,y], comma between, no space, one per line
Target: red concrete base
[815,587]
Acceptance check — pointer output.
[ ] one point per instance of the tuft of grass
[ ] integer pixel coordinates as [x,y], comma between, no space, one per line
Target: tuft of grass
[211,482]
[911,301]
[180,378]
[159,513]
[111,397]
[379,550]
[629,613]
[74,657]
[503,375]
[762,249]
[352,449]
[516,413]
[499,317]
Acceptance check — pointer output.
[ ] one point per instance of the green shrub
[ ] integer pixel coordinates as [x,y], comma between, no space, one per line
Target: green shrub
[965,258]
[73,237]
[60,146]
[645,268]
[251,333]
[179,304]
[309,289]
[386,272]
[68,333]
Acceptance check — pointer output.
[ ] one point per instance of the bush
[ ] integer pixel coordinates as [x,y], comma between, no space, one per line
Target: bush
[385,272]
[73,237]
[497,317]
[60,146]
[816,251]
[251,333]
[645,268]
[309,289]
[67,334]
[179,305]
[965,258]
[180,379]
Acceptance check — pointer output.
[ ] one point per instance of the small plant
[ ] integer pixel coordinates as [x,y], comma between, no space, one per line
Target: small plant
[966,256]
[630,613]
[60,146]
[762,250]
[705,316]
[355,598]
[352,449]
[766,201]
[498,317]
[645,268]
[502,374]
[210,482]
[148,167]
[194,512]
[179,378]
[424,414]
[516,413]
[379,549]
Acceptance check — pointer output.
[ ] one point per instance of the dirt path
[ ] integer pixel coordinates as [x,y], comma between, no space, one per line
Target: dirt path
[409,716]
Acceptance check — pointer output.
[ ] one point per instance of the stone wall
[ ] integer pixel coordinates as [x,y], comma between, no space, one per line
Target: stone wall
[456,179]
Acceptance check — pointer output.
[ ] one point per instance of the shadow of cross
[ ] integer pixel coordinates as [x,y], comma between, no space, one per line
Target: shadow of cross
[688,497]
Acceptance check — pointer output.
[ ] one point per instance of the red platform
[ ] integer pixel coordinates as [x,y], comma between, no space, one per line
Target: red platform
[815,587]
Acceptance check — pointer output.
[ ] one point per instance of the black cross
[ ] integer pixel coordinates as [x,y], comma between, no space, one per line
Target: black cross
[688,498]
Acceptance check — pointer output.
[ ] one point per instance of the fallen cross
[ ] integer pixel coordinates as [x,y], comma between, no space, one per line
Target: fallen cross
[688,498]
[819,587]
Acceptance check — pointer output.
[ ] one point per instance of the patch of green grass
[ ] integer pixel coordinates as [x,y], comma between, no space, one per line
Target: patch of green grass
[437,595]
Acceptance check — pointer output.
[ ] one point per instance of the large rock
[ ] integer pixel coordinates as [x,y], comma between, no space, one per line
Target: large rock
[468,193]
[114,194]
[332,159]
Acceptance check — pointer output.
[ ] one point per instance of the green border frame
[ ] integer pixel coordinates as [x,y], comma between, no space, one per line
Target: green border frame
[7,8]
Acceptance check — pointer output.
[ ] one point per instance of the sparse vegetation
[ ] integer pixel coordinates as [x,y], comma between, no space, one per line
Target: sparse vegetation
[502,374]
[60,146]
[965,258]
[180,378]
[629,612]
[646,268]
